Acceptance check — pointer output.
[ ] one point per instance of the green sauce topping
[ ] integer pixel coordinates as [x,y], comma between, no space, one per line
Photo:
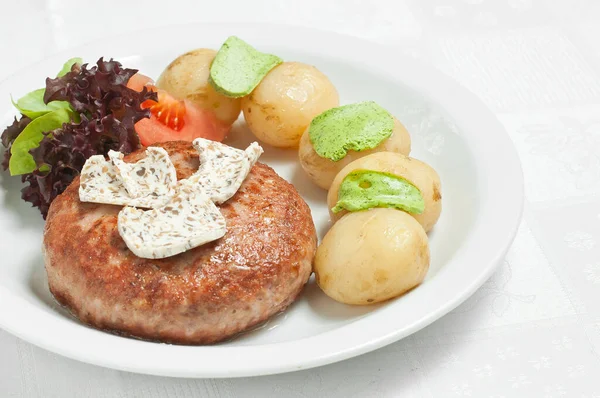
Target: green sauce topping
[365,189]
[356,127]
[238,68]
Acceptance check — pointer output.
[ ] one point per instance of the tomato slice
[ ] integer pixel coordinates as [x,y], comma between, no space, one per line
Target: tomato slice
[196,123]
[174,120]
[168,110]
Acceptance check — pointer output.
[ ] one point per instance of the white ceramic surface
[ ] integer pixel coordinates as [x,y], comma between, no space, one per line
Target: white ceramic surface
[451,129]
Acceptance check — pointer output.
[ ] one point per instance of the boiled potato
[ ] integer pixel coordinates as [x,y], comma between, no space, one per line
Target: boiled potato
[371,256]
[322,170]
[283,104]
[187,78]
[418,173]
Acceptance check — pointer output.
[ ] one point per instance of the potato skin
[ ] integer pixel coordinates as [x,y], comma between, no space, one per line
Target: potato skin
[419,173]
[284,103]
[187,78]
[372,256]
[322,170]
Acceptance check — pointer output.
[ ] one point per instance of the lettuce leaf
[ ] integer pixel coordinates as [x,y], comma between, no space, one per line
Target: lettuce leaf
[10,134]
[21,161]
[68,66]
[32,104]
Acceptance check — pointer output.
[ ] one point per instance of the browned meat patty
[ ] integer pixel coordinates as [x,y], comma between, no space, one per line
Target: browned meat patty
[201,296]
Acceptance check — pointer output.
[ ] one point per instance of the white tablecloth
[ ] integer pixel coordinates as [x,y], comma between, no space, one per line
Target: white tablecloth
[533,330]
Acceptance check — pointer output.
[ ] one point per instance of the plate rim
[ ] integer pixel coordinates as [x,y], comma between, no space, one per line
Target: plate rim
[309,352]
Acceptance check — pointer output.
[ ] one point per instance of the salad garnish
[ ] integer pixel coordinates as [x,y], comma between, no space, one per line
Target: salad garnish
[84,111]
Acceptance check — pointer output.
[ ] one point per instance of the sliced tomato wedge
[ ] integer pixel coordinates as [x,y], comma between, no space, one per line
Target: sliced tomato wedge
[174,120]
[196,123]
[168,110]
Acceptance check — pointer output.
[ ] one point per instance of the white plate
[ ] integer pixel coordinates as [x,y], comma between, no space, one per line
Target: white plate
[451,130]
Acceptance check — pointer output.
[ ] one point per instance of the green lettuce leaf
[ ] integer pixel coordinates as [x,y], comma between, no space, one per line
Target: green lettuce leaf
[32,104]
[21,161]
[68,65]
